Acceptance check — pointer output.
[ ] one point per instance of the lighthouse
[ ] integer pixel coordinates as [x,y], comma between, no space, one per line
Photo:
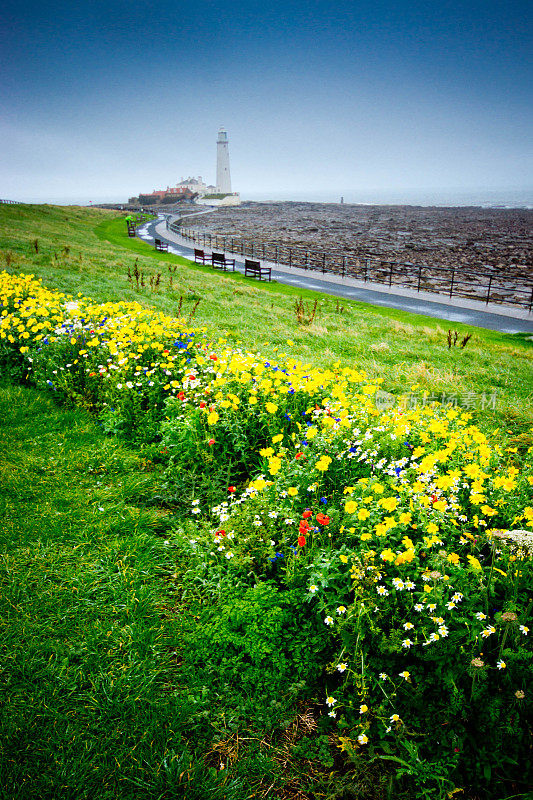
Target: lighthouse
[223,173]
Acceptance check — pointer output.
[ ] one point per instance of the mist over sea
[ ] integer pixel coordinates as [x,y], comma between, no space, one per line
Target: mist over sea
[490,198]
[485,198]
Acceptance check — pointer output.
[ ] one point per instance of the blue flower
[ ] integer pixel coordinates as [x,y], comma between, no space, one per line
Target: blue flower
[353,449]
[323,500]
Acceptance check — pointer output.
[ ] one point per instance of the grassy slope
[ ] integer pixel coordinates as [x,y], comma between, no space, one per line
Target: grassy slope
[89,707]
[94,704]
[403,349]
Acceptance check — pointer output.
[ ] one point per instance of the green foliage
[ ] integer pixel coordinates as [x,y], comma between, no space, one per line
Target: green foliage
[257,647]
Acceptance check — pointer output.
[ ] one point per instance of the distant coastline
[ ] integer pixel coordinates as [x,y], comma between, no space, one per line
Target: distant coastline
[479,198]
[509,199]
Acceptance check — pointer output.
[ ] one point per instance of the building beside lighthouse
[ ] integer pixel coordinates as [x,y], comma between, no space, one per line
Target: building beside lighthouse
[196,189]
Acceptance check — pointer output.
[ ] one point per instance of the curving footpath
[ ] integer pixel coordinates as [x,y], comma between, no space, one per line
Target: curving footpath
[505,319]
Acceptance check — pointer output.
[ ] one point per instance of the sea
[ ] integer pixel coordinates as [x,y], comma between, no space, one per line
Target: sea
[491,198]
[484,198]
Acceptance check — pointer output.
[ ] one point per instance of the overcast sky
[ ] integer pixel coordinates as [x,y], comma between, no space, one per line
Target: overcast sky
[103,100]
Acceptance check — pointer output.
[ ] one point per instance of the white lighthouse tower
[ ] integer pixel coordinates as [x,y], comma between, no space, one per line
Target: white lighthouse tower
[223,173]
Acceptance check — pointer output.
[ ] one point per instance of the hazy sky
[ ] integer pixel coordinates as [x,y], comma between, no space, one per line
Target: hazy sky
[103,100]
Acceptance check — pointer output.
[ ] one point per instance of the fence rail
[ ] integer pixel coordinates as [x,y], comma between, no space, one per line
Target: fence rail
[456,281]
[10,202]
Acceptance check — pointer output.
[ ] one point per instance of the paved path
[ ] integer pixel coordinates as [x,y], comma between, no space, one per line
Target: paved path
[506,319]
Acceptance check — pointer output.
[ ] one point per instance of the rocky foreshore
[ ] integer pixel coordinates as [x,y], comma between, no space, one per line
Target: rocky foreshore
[483,253]
[485,239]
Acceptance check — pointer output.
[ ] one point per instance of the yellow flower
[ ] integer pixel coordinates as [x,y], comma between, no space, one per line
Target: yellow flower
[271,408]
[405,558]
[388,503]
[474,563]
[432,528]
[363,514]
[344,559]
[388,555]
[292,491]
[274,465]
[212,418]
[350,507]
[453,558]
[323,463]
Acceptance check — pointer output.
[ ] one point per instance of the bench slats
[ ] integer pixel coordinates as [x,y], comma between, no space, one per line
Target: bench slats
[219,261]
[254,269]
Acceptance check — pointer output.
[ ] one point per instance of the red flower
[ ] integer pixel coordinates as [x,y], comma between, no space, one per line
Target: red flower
[181,396]
[301,541]
[303,527]
[166,352]
[323,519]
[211,441]
[307,513]
[213,358]
[220,533]
[299,455]
[202,404]
[231,489]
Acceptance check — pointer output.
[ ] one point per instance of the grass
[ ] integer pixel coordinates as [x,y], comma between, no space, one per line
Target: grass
[103,694]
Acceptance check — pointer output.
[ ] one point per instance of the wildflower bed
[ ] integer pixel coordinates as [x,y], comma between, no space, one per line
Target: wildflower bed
[401,540]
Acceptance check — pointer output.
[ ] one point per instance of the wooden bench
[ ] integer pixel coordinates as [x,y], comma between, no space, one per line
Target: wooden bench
[219,261]
[253,269]
[161,246]
[200,257]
